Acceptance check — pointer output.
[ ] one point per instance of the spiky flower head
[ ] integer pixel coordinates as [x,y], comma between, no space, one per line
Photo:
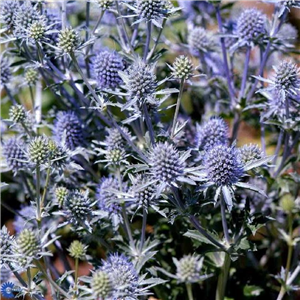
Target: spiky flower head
[25,16]
[188,268]
[31,76]
[166,163]
[37,30]
[26,218]
[106,66]
[27,243]
[8,9]
[68,125]
[182,68]
[61,193]
[7,290]
[106,197]
[38,150]
[6,245]
[122,273]
[68,40]
[143,191]
[101,285]
[57,154]
[250,25]
[249,153]
[140,80]
[151,10]
[13,151]
[200,40]
[78,207]
[211,133]
[77,250]
[17,113]
[287,203]
[223,166]
[105,4]
[5,71]
[5,274]
[288,32]
[115,156]
[114,138]
[287,77]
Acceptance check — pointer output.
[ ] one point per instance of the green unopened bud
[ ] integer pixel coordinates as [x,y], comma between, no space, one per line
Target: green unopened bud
[182,67]
[17,114]
[38,150]
[287,203]
[27,243]
[61,194]
[31,76]
[105,4]
[77,250]
[37,30]
[101,285]
[68,40]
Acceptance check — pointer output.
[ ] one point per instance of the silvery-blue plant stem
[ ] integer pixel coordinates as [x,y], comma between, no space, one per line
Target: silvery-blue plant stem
[38,195]
[143,232]
[225,60]
[245,73]
[284,155]
[148,39]
[263,138]
[64,14]
[135,33]
[149,124]
[177,108]
[224,221]
[157,39]
[278,146]
[12,99]
[265,58]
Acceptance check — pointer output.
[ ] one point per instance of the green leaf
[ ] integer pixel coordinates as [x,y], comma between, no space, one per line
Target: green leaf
[252,290]
[194,234]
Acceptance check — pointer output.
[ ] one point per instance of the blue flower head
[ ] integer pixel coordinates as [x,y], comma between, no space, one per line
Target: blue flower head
[211,133]
[5,71]
[106,198]
[14,154]
[69,127]
[250,25]
[200,40]
[223,166]
[123,275]
[26,217]
[106,66]
[7,290]
[152,10]
[8,9]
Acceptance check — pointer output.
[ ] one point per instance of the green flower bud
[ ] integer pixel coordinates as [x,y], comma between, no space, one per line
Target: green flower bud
[17,114]
[61,194]
[37,30]
[77,250]
[287,203]
[31,76]
[38,150]
[27,243]
[68,40]
[182,67]
[101,285]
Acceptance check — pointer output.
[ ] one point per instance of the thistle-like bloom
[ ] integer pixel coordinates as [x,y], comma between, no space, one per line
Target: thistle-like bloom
[6,245]
[5,274]
[8,9]
[153,10]
[38,150]
[61,193]
[14,154]
[28,244]
[77,250]
[286,81]
[58,155]
[114,138]
[223,166]
[249,154]
[200,40]
[123,275]
[106,197]
[31,76]
[5,72]
[7,290]
[182,68]
[78,208]
[166,164]
[17,113]
[211,133]
[68,130]
[25,16]
[250,26]
[68,40]
[106,66]
[140,82]
[37,30]
[101,285]
[26,218]
[189,268]
[105,4]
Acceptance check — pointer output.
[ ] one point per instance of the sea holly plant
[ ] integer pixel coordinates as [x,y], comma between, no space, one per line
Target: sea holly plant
[150,150]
